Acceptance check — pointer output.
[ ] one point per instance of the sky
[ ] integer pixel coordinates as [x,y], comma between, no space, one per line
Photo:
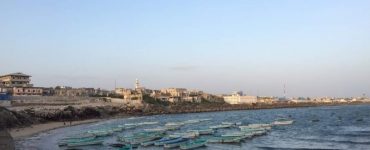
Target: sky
[314,47]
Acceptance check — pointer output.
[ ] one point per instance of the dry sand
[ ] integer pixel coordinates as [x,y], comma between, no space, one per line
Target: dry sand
[18,133]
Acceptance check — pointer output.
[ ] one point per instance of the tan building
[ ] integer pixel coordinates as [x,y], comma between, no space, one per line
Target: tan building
[237,98]
[68,91]
[16,80]
[17,91]
[19,84]
[266,99]
[175,92]
[120,91]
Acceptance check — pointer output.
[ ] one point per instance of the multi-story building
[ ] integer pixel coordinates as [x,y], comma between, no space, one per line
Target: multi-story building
[17,91]
[16,80]
[175,92]
[237,98]
[119,91]
[19,84]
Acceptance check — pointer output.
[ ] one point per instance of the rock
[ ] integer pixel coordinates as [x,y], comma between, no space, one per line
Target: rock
[10,119]
[6,140]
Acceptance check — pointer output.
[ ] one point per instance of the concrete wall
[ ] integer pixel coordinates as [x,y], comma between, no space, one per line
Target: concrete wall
[51,100]
[5,103]
[136,103]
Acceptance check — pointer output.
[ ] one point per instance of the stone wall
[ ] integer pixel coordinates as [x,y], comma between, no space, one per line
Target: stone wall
[51,100]
[135,103]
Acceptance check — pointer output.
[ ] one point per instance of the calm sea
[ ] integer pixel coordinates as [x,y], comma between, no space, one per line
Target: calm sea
[334,127]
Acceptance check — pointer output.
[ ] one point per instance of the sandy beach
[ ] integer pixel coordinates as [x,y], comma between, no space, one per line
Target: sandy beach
[18,133]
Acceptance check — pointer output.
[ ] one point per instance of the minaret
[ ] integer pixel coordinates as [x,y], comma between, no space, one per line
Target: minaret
[137,85]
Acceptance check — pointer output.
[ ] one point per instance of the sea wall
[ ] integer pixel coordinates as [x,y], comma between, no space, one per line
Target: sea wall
[51,100]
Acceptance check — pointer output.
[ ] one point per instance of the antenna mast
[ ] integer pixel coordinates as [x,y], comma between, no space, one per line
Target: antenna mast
[284,91]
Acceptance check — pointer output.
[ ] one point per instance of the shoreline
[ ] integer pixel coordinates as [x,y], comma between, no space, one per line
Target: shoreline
[21,133]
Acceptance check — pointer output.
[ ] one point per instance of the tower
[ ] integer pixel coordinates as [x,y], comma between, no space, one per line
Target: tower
[137,84]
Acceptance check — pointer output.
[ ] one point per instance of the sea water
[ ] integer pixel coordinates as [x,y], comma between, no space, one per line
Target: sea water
[327,127]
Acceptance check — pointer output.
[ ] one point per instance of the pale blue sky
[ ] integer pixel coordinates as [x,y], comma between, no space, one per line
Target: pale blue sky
[316,47]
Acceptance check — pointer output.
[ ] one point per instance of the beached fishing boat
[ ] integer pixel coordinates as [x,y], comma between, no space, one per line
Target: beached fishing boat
[283,121]
[156,130]
[117,145]
[101,133]
[79,136]
[258,133]
[174,124]
[248,129]
[205,119]
[116,129]
[189,134]
[146,139]
[148,143]
[168,140]
[130,126]
[140,137]
[64,142]
[256,126]
[241,135]
[220,126]
[194,144]
[174,145]
[191,121]
[204,131]
[85,143]
[225,139]
[233,134]
[173,127]
[126,147]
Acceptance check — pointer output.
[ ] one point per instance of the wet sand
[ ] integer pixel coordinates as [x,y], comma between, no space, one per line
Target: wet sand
[18,133]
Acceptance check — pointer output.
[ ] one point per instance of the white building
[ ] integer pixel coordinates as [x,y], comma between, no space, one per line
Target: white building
[237,98]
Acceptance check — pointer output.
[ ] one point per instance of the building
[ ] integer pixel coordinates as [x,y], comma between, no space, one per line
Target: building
[119,91]
[19,84]
[266,99]
[16,80]
[134,96]
[69,91]
[237,98]
[20,91]
[175,92]
[4,95]
[48,91]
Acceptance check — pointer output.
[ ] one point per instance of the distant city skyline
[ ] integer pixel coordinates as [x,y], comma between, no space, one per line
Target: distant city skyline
[315,48]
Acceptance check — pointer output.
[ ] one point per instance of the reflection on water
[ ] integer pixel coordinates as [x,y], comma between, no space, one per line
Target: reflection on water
[335,127]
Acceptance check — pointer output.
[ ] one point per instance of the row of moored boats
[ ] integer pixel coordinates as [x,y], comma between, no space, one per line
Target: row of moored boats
[167,136]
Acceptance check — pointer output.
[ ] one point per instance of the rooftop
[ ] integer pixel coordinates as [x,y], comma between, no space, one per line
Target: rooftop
[16,74]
